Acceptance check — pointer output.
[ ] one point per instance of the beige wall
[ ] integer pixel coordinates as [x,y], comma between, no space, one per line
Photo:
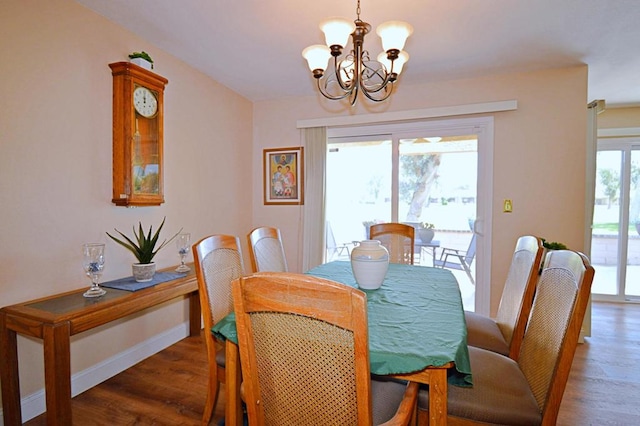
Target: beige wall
[55,166]
[614,118]
[539,154]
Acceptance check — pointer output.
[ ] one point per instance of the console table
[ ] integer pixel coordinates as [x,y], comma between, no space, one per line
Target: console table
[56,318]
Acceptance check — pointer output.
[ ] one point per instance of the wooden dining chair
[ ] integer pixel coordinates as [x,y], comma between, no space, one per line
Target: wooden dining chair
[218,261]
[303,345]
[266,250]
[398,238]
[504,333]
[528,391]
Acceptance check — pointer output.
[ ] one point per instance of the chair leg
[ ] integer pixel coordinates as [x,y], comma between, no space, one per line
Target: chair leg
[467,269]
[212,399]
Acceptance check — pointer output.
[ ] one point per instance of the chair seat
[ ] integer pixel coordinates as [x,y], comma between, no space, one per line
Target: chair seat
[483,332]
[500,393]
[386,396]
[221,357]
[451,265]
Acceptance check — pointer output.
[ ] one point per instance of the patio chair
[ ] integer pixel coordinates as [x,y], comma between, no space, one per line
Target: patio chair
[304,355]
[334,248]
[218,261]
[398,238]
[266,250]
[458,259]
[504,333]
[528,391]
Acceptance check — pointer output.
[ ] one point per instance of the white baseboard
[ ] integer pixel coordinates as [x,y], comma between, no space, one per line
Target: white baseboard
[33,405]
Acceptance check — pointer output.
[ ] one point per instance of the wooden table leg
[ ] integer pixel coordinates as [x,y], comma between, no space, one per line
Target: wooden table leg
[233,379]
[195,315]
[57,373]
[436,378]
[438,397]
[9,377]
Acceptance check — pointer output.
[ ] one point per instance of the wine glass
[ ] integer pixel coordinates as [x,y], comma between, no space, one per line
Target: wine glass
[93,263]
[183,243]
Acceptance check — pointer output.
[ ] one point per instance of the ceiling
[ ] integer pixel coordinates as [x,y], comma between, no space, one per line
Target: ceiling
[254,46]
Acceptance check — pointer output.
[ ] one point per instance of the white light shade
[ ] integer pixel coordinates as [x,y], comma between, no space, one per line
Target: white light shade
[394,34]
[403,57]
[337,31]
[317,56]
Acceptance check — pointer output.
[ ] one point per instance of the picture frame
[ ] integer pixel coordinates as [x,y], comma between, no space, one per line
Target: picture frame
[283,176]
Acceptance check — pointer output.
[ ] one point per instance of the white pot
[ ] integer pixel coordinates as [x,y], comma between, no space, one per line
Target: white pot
[369,262]
[141,62]
[426,235]
[143,272]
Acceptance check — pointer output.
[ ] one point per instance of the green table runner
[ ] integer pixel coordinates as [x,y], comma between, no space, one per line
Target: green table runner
[416,319]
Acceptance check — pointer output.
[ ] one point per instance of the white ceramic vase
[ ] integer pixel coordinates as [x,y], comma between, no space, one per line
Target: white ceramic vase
[143,272]
[369,262]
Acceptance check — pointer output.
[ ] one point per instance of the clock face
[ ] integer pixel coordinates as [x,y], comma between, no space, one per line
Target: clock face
[145,102]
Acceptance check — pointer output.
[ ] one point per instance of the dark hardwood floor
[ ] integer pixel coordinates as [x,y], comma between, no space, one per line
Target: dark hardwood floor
[169,388]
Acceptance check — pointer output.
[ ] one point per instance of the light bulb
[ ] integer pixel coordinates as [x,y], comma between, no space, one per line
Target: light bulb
[317,56]
[337,31]
[402,59]
[394,34]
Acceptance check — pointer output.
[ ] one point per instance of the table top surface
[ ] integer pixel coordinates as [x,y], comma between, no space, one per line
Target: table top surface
[415,319]
[72,304]
[432,243]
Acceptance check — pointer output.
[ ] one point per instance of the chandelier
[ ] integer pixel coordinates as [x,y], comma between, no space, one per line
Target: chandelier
[356,71]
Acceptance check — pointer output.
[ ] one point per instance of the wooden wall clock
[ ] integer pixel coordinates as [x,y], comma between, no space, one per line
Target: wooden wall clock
[138,101]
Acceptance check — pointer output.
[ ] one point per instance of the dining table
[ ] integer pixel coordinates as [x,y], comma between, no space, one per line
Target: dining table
[417,332]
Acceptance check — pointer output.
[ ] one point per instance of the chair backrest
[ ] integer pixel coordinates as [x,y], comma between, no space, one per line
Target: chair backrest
[519,288]
[218,261]
[554,325]
[398,238]
[266,250]
[330,238]
[304,352]
[471,250]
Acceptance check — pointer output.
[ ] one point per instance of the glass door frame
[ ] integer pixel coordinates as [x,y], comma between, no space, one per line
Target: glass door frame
[483,128]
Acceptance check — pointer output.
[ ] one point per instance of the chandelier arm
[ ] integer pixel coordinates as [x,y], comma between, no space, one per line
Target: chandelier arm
[329,96]
[353,96]
[336,69]
[387,93]
[386,79]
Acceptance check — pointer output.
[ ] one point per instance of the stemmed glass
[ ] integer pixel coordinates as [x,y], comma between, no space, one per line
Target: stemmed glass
[93,263]
[183,242]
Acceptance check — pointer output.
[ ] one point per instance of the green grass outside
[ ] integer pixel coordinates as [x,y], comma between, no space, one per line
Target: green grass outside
[612,227]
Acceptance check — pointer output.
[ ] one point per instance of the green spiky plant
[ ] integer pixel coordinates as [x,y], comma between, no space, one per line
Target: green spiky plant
[553,245]
[143,55]
[144,246]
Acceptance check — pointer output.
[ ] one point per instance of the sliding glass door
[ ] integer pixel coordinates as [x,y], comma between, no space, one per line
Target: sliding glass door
[615,244]
[425,178]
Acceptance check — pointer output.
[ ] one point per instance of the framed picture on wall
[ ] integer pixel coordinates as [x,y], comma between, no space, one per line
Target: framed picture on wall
[283,176]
